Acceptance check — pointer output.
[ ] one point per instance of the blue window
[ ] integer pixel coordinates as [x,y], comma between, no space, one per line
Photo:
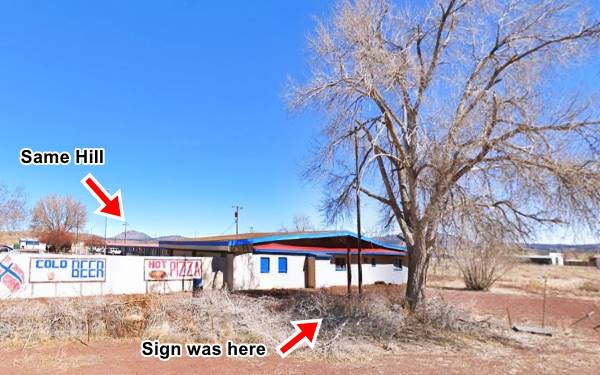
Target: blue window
[373,262]
[264,265]
[282,265]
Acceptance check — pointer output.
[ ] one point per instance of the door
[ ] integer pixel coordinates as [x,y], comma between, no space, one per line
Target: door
[309,272]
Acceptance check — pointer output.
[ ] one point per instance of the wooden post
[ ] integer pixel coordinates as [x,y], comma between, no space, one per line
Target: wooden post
[229,272]
[349,270]
[183,279]
[544,305]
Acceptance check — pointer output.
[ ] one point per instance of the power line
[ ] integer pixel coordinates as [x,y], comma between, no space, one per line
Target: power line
[228,228]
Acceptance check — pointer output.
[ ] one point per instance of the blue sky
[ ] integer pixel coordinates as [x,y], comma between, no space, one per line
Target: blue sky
[185,96]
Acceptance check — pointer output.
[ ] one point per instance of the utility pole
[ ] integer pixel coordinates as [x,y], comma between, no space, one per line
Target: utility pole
[358,228]
[125,225]
[105,225]
[76,233]
[237,218]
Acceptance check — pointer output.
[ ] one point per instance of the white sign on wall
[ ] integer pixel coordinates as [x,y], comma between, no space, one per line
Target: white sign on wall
[162,269]
[67,269]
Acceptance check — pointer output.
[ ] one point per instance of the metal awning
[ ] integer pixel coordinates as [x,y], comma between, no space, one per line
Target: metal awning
[321,243]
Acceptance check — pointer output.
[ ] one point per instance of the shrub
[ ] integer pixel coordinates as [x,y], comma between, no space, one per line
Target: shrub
[351,325]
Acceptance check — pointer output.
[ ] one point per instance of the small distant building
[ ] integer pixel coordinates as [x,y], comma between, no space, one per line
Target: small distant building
[551,259]
[31,245]
[577,262]
[135,247]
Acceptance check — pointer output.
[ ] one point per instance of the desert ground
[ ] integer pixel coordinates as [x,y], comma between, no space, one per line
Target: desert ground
[434,343]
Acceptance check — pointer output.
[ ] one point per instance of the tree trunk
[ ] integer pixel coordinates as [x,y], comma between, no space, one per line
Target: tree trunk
[418,263]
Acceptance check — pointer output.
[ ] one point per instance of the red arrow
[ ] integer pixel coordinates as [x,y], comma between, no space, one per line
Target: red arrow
[306,331]
[109,206]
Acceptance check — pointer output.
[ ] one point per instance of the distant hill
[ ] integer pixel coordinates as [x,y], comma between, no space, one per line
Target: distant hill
[10,238]
[391,239]
[170,238]
[133,235]
[538,247]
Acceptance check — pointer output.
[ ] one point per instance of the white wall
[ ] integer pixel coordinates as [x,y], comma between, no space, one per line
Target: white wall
[326,275]
[557,259]
[248,276]
[124,275]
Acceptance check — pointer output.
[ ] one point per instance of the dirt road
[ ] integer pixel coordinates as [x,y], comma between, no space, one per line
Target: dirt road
[122,357]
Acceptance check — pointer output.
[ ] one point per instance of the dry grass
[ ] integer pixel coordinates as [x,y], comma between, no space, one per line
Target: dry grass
[214,316]
[351,327]
[10,238]
[377,321]
[566,281]
[592,287]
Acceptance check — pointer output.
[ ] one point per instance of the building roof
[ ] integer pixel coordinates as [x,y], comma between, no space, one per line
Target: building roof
[133,243]
[241,236]
[279,248]
[326,242]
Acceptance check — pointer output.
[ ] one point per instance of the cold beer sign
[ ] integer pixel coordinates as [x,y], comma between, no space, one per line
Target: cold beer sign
[68,269]
[164,269]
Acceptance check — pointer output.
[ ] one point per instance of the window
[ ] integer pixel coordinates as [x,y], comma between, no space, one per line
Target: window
[282,264]
[340,264]
[264,265]
[373,262]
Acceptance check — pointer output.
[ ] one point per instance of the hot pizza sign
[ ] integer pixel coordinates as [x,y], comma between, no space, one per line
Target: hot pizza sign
[164,269]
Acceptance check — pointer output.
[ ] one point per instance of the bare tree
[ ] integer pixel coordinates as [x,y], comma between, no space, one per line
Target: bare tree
[56,213]
[93,241]
[12,208]
[302,223]
[462,111]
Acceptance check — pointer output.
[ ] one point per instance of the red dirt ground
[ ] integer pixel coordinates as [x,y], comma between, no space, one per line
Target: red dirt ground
[561,312]
[122,357]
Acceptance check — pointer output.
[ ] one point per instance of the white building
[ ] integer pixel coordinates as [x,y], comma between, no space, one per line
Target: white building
[31,245]
[294,260]
[247,261]
[553,259]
